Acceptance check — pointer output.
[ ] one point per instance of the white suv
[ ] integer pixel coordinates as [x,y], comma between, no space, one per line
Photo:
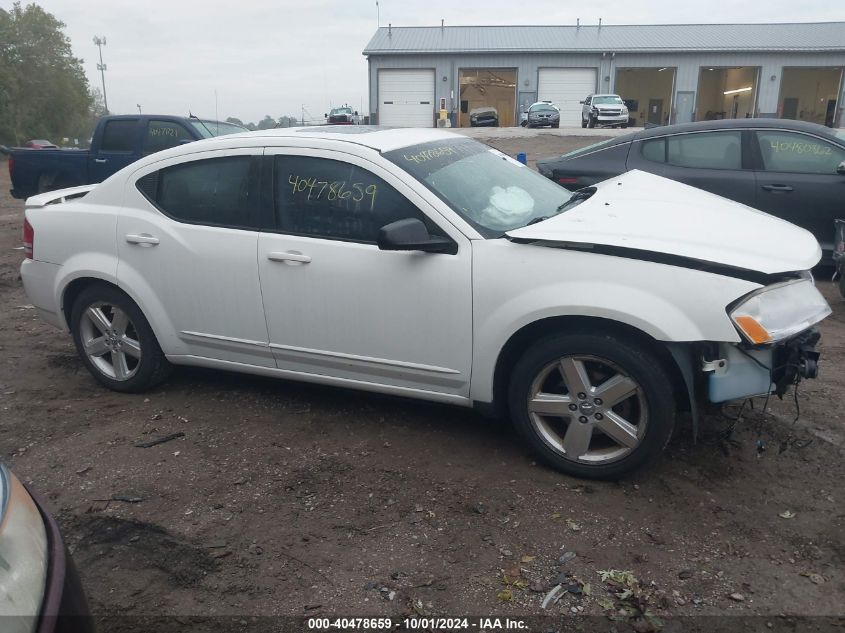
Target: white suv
[604,111]
[421,263]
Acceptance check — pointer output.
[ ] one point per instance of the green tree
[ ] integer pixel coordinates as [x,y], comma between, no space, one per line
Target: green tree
[43,89]
[267,123]
[288,121]
[235,120]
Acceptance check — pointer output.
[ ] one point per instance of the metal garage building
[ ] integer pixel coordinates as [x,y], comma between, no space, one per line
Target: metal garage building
[666,73]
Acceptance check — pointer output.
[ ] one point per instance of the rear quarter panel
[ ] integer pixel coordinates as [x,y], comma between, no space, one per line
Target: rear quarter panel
[79,238]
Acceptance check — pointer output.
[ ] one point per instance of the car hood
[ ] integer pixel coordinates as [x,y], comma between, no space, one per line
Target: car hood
[644,213]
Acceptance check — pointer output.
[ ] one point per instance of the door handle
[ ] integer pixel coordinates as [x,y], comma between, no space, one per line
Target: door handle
[778,188]
[101,160]
[144,239]
[289,257]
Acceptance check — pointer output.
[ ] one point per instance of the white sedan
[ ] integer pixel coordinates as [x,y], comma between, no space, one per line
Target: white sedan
[424,264]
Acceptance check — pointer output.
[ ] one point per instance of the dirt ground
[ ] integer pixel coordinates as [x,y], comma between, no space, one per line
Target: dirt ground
[288,499]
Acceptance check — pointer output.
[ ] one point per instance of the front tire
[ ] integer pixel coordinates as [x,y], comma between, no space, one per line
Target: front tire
[591,123]
[583,122]
[592,405]
[115,340]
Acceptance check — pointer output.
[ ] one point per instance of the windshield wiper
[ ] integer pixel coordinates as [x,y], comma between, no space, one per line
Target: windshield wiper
[577,198]
[539,219]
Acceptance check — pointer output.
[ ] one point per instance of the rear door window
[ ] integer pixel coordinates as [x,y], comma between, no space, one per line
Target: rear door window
[119,136]
[214,191]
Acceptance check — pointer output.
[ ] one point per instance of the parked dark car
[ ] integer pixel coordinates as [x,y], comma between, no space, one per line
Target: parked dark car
[791,169]
[40,143]
[485,116]
[543,113]
[40,589]
[117,142]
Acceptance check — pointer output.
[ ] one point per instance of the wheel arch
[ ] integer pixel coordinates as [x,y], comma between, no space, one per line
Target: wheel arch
[71,291]
[510,353]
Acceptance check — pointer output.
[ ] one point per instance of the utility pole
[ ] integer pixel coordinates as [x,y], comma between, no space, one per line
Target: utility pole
[303,114]
[99,42]
[378,15]
[139,107]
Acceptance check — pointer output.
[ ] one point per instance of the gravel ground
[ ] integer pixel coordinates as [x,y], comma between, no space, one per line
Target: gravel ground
[284,498]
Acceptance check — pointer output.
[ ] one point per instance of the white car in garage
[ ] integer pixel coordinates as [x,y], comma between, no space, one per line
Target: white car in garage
[424,264]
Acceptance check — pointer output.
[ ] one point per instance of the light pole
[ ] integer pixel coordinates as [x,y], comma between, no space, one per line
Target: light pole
[99,42]
[139,107]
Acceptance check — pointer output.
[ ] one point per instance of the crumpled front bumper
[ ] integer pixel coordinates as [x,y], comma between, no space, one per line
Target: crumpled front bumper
[743,371]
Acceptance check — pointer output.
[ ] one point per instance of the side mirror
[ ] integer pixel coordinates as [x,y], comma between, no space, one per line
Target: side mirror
[356,112]
[840,168]
[411,234]
[325,116]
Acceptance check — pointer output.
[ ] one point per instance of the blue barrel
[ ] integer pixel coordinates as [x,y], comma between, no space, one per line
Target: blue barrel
[522,158]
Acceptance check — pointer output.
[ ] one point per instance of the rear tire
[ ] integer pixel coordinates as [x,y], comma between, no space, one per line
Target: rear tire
[624,407]
[115,341]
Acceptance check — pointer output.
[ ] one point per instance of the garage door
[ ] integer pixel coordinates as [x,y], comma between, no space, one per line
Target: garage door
[406,98]
[565,87]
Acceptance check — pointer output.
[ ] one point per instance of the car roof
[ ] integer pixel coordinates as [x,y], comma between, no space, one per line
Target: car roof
[604,94]
[738,124]
[725,124]
[379,138]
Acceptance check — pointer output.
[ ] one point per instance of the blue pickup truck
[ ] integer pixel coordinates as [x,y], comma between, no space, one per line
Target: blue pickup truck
[117,142]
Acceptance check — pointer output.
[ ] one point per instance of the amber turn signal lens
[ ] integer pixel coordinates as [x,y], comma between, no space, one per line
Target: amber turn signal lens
[753,330]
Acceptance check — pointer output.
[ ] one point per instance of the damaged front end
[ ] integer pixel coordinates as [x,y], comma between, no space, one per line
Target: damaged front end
[777,325]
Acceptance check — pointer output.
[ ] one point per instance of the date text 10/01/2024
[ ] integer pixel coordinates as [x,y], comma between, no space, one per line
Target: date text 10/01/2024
[417,624]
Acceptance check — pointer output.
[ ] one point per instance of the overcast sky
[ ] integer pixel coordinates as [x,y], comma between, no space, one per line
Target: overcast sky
[271,57]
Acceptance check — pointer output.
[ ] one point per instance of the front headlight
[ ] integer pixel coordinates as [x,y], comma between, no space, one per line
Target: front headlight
[23,556]
[777,312]
[624,110]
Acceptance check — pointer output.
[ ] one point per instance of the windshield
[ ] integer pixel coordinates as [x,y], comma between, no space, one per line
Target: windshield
[207,128]
[342,111]
[607,100]
[491,191]
[839,134]
[543,107]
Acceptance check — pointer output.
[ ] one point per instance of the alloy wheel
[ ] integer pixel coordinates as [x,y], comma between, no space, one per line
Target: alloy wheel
[588,409]
[110,341]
